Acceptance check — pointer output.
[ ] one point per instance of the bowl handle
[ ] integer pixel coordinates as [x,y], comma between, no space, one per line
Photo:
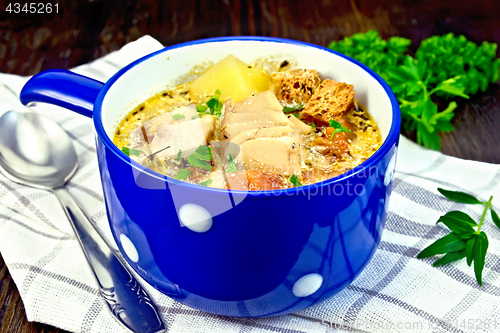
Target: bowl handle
[64,88]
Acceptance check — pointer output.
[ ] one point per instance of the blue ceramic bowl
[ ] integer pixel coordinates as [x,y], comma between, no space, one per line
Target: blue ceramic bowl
[235,253]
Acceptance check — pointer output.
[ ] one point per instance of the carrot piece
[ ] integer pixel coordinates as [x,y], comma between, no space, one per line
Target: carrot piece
[262,181]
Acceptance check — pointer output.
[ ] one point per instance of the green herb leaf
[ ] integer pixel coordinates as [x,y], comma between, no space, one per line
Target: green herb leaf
[429,139]
[201,108]
[214,103]
[442,120]
[494,217]
[458,226]
[452,86]
[293,108]
[460,197]
[338,128]
[182,174]
[429,109]
[215,106]
[411,68]
[450,257]
[231,167]
[399,44]
[206,182]
[470,250]
[458,217]
[179,155]
[201,158]
[398,77]
[421,67]
[178,116]
[197,163]
[216,94]
[449,243]
[130,151]
[480,256]
[203,153]
[294,179]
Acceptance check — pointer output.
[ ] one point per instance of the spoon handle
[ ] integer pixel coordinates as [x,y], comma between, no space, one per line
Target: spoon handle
[128,302]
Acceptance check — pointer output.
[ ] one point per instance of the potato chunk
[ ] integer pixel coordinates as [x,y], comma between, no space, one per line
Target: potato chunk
[233,78]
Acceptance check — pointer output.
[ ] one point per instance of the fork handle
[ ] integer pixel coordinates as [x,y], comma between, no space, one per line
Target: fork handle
[128,302]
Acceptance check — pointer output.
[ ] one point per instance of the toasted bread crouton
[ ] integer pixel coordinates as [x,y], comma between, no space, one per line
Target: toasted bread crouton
[295,86]
[331,100]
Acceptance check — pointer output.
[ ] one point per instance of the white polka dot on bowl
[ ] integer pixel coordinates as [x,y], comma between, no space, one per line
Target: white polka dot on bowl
[195,217]
[391,168]
[129,248]
[307,285]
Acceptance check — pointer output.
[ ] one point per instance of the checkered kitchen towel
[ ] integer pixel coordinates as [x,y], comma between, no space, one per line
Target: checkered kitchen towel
[395,293]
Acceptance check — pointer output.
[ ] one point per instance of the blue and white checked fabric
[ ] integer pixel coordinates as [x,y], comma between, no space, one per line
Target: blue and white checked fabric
[395,293]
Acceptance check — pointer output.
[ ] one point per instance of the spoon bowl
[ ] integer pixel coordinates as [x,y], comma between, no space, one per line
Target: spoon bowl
[29,156]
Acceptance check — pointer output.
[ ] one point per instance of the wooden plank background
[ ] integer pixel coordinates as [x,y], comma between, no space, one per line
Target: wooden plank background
[84,30]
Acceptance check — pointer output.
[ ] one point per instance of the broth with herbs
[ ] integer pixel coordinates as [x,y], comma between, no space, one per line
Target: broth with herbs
[238,126]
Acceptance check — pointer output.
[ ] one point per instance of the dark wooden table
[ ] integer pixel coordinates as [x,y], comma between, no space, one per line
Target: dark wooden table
[84,30]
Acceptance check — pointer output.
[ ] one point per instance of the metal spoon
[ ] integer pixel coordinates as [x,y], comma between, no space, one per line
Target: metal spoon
[35,151]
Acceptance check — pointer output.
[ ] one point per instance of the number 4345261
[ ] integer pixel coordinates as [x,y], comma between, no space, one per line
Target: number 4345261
[33,8]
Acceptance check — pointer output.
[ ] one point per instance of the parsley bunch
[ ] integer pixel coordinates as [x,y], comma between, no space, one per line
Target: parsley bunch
[370,49]
[446,66]
[466,239]
[418,111]
[448,56]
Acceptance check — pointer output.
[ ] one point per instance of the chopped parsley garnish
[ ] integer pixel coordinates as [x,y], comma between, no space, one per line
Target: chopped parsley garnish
[201,108]
[182,174]
[179,155]
[294,179]
[206,182]
[214,103]
[201,158]
[338,128]
[178,116]
[216,94]
[293,108]
[296,115]
[231,167]
[195,117]
[129,151]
